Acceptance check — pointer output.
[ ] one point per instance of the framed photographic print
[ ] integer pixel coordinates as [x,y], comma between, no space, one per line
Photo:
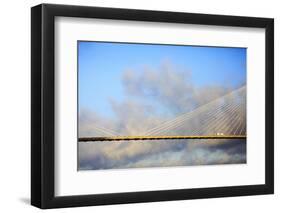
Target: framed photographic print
[139,106]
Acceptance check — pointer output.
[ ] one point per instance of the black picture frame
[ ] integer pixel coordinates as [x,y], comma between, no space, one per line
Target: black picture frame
[43,102]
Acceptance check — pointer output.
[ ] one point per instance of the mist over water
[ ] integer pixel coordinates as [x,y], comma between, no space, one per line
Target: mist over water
[161,153]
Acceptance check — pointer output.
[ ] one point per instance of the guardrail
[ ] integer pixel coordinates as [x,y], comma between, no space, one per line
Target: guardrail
[127,138]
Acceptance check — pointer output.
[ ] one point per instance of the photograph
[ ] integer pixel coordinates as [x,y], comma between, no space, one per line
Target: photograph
[144,105]
[140,105]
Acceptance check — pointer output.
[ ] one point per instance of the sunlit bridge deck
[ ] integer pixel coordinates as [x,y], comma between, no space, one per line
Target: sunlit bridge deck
[128,138]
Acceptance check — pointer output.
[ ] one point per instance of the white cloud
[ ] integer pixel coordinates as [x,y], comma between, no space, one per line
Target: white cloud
[172,89]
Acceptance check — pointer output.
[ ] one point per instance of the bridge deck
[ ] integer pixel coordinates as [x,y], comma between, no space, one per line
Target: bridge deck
[127,138]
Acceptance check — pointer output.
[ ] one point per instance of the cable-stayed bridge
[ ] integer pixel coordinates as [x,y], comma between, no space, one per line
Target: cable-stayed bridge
[222,118]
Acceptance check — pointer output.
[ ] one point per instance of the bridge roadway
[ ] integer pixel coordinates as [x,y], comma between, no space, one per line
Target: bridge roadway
[128,138]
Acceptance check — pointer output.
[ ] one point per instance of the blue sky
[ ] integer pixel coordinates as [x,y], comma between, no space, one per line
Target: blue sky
[101,66]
